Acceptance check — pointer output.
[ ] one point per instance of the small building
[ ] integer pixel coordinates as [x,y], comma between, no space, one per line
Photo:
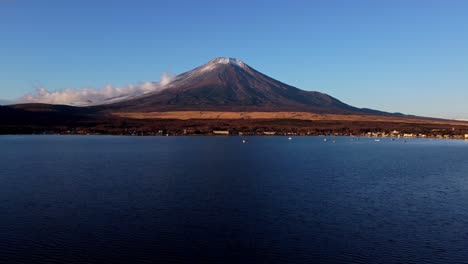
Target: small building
[466,136]
[269,133]
[221,132]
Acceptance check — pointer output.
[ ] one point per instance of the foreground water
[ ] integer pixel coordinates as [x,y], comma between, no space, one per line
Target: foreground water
[87,199]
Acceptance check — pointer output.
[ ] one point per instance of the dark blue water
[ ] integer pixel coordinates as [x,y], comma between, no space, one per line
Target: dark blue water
[87,199]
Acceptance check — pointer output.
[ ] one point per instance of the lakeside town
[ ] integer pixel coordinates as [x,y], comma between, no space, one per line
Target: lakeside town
[186,132]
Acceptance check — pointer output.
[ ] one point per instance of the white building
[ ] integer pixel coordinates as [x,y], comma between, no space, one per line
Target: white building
[221,132]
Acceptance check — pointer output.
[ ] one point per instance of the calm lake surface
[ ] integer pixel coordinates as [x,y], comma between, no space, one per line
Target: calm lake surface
[105,199]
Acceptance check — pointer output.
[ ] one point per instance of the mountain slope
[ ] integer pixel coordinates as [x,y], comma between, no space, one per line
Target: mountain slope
[226,84]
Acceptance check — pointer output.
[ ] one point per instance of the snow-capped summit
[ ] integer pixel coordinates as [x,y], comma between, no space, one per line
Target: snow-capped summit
[224,60]
[219,62]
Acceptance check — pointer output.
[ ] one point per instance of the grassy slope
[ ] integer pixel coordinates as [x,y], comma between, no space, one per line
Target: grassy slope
[210,115]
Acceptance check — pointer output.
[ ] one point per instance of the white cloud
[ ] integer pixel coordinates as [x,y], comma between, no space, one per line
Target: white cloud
[86,96]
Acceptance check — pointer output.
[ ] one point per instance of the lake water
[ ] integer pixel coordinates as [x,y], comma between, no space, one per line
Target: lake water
[105,199]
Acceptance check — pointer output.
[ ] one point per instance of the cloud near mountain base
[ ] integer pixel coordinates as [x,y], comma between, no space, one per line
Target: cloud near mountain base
[87,96]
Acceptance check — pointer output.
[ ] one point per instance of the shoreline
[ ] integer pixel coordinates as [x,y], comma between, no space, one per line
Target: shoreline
[237,135]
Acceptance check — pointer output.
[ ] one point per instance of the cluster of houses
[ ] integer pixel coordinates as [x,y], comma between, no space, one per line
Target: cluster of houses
[399,134]
[396,134]
[393,134]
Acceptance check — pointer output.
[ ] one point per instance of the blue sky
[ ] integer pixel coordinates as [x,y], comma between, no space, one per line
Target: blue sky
[398,56]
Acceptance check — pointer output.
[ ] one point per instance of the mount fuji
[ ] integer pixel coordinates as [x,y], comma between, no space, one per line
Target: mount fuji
[228,84]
